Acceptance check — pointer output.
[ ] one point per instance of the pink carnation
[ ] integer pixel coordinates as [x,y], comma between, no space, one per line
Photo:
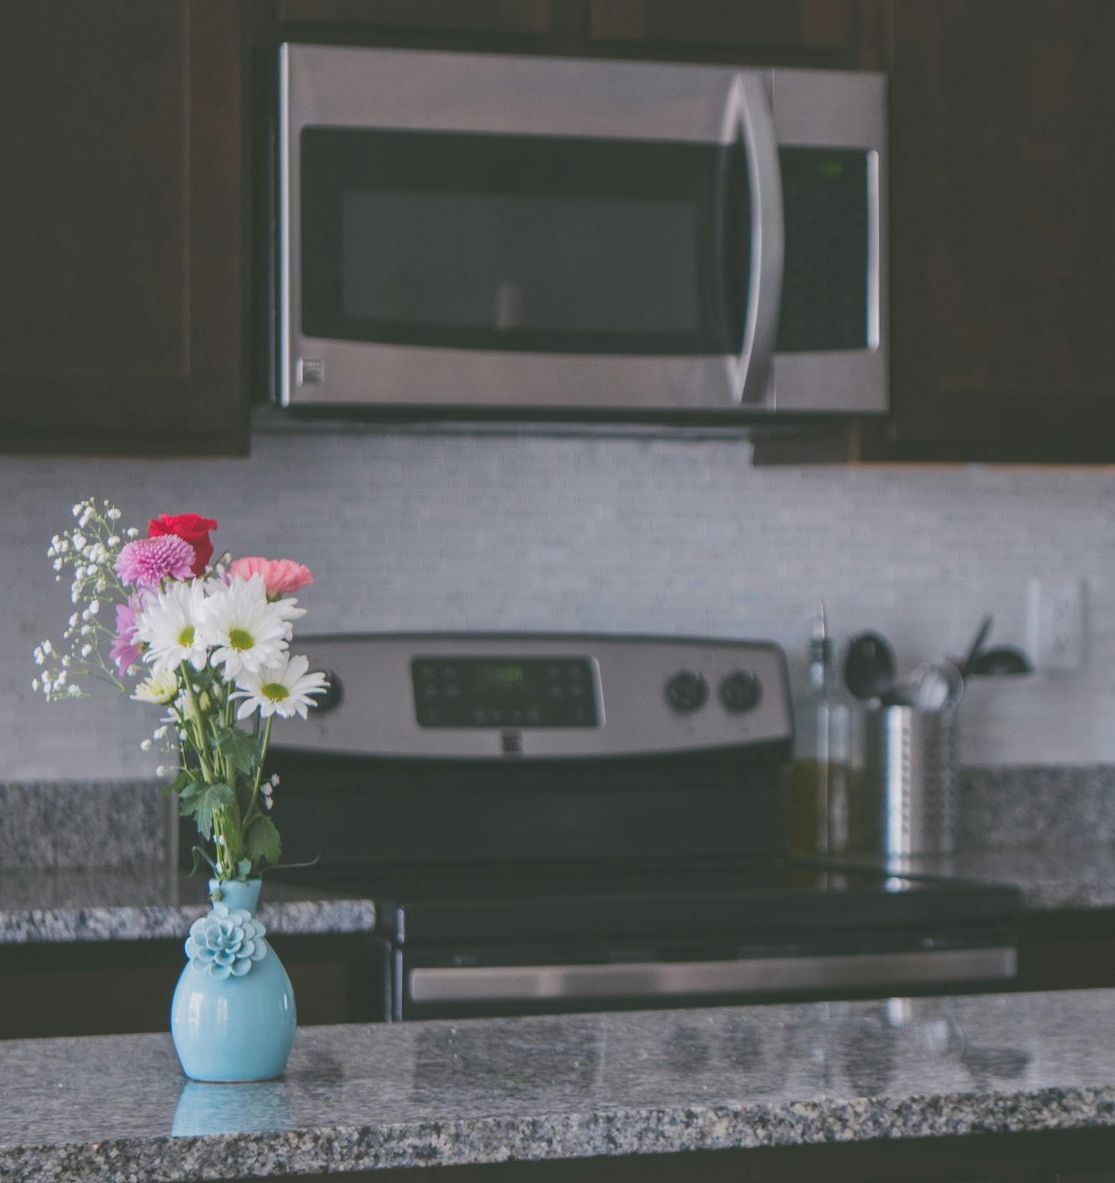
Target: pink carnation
[146,562]
[281,577]
[124,651]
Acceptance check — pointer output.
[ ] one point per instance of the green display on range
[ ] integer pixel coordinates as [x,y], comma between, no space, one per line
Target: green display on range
[505,675]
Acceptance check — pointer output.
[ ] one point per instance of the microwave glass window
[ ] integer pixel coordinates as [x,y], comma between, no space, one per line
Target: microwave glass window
[514,262]
[523,243]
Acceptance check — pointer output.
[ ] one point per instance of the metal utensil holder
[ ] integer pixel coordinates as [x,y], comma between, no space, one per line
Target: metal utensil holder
[909,789]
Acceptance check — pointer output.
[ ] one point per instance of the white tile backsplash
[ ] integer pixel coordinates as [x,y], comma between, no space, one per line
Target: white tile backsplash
[429,531]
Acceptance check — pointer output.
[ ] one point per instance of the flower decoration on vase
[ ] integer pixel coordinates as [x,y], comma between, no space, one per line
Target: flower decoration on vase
[226,942]
[207,642]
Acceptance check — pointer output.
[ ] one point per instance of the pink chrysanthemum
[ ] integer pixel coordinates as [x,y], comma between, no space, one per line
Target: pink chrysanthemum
[148,561]
[125,652]
[281,577]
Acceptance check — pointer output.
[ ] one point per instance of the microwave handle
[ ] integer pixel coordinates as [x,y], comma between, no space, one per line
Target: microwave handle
[749,121]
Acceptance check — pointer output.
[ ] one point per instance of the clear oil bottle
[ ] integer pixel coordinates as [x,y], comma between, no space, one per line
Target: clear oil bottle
[820,782]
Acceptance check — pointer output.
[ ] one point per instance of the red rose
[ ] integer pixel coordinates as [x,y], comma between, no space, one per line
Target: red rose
[190,528]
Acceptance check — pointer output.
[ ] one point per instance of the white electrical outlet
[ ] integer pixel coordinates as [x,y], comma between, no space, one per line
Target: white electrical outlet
[1055,622]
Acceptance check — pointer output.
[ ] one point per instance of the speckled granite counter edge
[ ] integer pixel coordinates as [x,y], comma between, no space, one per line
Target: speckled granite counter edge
[21,926]
[549,1136]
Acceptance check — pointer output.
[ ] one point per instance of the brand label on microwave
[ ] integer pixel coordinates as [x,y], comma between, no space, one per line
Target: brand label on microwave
[311,371]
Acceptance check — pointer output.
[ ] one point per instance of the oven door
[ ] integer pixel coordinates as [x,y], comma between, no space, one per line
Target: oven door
[482,230]
[470,982]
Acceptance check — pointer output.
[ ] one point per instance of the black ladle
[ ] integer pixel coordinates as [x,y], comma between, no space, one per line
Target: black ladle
[1006,661]
[869,666]
[968,666]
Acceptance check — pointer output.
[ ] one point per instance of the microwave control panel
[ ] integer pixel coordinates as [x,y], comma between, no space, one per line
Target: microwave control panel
[824,284]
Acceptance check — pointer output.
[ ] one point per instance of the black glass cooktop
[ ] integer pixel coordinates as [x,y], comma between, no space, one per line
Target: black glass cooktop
[513,901]
[575,878]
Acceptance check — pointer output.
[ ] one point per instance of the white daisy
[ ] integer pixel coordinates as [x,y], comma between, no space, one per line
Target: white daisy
[160,688]
[284,689]
[169,624]
[288,609]
[248,633]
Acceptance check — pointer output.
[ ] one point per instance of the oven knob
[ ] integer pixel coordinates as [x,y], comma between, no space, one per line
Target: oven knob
[686,692]
[740,692]
[334,692]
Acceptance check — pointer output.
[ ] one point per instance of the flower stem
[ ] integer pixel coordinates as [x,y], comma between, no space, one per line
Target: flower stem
[196,725]
[259,768]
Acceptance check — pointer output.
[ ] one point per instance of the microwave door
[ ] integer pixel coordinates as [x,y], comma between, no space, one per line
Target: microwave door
[610,241]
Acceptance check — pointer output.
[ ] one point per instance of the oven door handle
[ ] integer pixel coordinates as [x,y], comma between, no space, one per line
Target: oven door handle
[670,979]
[749,122]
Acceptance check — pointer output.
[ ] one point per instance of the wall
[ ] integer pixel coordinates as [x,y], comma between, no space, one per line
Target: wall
[454,532]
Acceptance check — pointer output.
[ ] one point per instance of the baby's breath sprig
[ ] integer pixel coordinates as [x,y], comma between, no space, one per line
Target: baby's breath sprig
[87,552]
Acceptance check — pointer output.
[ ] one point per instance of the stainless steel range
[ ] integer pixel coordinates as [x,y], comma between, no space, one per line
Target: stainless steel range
[583,822]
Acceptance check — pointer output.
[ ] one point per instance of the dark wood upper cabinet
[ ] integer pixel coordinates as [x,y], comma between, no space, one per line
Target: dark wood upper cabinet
[827,28]
[455,16]
[1003,229]
[1002,220]
[830,32]
[127,313]
[123,226]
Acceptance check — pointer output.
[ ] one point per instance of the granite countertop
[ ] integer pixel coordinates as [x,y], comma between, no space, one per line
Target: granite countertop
[1051,878]
[487,1090]
[147,903]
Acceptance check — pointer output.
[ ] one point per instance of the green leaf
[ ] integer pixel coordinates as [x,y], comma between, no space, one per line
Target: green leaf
[237,748]
[262,843]
[176,785]
[192,787]
[211,798]
[189,797]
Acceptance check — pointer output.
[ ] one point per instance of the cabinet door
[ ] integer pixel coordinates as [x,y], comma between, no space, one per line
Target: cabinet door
[474,16]
[1003,223]
[824,29]
[122,226]
[117,987]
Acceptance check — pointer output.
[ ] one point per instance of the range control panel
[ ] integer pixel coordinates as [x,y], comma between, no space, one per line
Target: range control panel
[544,695]
[505,691]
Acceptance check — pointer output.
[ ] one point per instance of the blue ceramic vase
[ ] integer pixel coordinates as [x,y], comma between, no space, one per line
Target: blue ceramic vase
[232,1017]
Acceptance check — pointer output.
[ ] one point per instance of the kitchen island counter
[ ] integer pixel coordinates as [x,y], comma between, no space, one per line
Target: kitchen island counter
[600,1086]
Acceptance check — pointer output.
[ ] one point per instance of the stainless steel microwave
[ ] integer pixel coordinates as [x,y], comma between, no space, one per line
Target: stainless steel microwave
[495,233]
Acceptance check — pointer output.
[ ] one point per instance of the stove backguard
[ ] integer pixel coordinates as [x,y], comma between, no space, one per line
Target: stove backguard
[362,811]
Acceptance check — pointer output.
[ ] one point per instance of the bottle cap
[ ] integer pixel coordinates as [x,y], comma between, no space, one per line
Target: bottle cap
[820,647]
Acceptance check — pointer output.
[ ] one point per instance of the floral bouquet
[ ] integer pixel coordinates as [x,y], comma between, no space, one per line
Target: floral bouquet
[208,642]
